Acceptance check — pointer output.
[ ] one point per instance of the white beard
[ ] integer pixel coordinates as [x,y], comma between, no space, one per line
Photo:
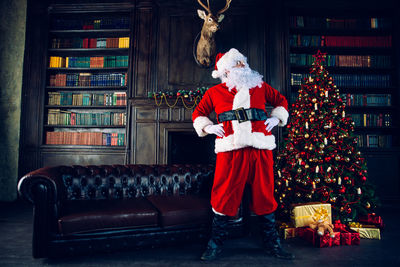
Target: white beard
[242,78]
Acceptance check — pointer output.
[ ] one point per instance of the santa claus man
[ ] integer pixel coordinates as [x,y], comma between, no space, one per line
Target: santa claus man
[244,145]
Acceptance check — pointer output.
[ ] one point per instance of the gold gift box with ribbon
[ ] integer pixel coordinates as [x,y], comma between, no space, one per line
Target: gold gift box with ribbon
[304,214]
[366,231]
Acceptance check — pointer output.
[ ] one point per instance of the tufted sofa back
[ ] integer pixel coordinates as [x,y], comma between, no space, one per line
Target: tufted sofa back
[133,181]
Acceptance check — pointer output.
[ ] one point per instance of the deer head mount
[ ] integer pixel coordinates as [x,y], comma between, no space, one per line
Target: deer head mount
[205,50]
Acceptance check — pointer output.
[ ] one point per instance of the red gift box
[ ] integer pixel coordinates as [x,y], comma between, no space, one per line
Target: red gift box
[320,241]
[347,236]
[372,218]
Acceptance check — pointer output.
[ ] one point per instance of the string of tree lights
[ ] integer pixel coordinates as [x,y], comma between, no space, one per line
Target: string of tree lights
[320,161]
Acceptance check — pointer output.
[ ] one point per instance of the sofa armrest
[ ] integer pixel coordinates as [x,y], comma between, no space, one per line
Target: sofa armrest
[42,188]
[48,179]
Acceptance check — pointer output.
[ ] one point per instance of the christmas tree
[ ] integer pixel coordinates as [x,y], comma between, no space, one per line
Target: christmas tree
[320,161]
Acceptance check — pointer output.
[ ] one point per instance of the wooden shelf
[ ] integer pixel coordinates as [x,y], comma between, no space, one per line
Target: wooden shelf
[80,147]
[341,32]
[358,90]
[337,50]
[89,69]
[86,107]
[345,70]
[87,88]
[84,126]
[88,50]
[95,32]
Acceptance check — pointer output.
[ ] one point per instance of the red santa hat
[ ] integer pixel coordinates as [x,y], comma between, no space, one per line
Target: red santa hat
[224,62]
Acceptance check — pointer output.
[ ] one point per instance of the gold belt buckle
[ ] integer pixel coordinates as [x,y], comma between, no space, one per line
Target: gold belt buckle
[239,112]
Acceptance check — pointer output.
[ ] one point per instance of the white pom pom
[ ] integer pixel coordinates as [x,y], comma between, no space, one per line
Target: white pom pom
[215,74]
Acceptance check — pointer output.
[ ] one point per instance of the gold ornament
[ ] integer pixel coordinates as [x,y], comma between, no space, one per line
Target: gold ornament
[298,194]
[321,145]
[309,196]
[314,100]
[337,157]
[367,205]
[306,135]
[306,166]
[347,159]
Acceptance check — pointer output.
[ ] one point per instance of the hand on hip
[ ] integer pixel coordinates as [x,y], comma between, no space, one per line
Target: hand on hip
[216,129]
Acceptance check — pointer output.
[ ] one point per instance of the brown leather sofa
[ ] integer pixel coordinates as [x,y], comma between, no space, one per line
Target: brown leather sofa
[83,209]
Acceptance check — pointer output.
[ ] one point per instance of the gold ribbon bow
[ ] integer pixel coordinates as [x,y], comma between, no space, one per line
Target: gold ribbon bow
[320,215]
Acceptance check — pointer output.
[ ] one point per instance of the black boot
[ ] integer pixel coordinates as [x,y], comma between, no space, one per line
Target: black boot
[218,235]
[270,238]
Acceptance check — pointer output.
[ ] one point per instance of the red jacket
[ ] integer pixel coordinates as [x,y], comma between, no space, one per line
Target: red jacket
[244,134]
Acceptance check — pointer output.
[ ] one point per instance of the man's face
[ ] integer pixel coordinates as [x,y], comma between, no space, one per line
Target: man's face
[239,64]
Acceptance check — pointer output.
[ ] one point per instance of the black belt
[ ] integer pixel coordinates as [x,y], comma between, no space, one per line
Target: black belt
[241,114]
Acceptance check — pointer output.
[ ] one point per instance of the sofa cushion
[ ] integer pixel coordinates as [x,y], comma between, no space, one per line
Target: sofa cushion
[96,215]
[181,210]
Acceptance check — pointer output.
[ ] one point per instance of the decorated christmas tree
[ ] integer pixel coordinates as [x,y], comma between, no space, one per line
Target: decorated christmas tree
[319,160]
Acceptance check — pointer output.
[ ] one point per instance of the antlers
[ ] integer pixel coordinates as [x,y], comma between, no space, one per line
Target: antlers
[207,8]
[228,2]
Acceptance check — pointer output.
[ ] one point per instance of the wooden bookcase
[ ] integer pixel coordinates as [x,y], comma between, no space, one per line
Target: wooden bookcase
[360,58]
[88,79]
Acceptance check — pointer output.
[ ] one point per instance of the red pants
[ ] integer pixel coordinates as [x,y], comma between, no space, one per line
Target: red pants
[234,169]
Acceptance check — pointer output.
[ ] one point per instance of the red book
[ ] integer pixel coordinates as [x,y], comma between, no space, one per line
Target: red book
[85,43]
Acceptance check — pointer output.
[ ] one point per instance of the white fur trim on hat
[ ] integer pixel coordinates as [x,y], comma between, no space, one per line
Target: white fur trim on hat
[199,123]
[282,114]
[216,74]
[227,61]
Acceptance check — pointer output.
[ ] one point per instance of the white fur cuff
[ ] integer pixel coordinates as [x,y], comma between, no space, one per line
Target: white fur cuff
[199,123]
[282,114]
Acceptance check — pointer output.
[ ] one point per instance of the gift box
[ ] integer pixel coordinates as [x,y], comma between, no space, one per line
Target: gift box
[366,231]
[302,214]
[287,231]
[347,236]
[320,241]
[373,219]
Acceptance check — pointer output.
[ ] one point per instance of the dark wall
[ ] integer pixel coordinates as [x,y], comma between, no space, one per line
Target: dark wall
[12,45]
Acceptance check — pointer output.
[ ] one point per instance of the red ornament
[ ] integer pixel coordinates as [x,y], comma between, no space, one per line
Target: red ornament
[364,179]
[342,189]
[348,210]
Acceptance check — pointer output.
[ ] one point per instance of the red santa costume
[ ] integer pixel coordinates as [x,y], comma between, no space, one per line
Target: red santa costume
[244,153]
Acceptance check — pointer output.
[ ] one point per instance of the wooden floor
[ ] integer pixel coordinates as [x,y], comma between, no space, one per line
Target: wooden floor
[16,235]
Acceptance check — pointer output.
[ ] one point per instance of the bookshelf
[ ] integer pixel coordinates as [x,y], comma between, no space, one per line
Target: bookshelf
[361,60]
[87,79]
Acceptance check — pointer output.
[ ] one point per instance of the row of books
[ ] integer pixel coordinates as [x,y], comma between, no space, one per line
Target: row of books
[89,62]
[339,23]
[367,100]
[85,138]
[298,40]
[372,120]
[365,61]
[87,99]
[374,140]
[65,117]
[91,24]
[88,79]
[350,80]
[62,43]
